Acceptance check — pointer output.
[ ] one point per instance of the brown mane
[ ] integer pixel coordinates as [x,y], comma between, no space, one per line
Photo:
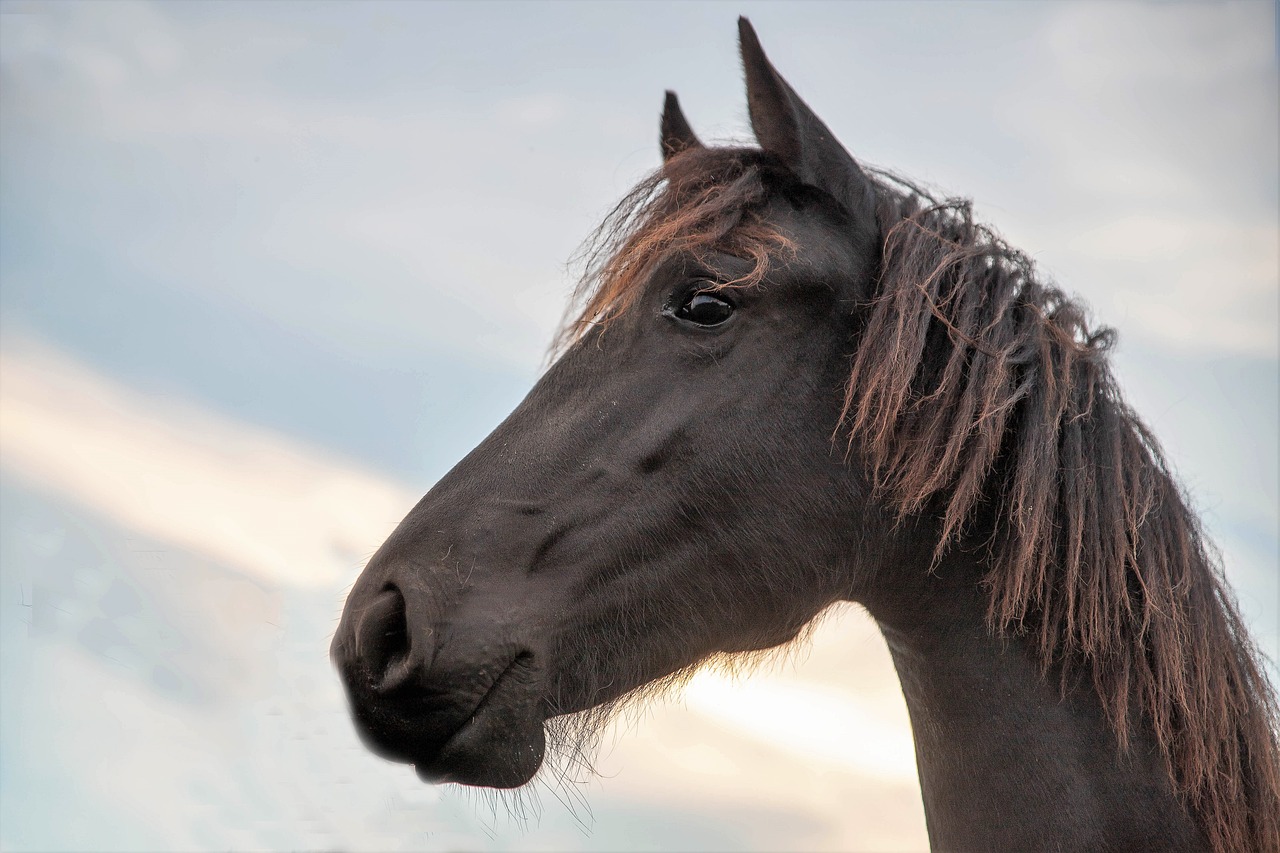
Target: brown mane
[979,392]
[701,200]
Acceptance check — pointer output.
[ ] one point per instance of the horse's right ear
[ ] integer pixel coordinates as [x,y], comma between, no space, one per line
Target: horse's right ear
[676,135]
[786,127]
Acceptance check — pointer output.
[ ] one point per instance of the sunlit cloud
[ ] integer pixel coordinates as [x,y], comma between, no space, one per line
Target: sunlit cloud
[840,729]
[239,495]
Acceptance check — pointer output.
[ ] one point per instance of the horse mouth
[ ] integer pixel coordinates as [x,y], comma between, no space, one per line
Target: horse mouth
[501,743]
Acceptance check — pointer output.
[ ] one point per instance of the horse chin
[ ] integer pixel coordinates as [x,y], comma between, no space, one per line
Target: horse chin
[493,750]
[495,742]
[502,743]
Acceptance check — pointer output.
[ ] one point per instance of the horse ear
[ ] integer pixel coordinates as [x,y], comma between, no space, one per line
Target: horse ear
[786,127]
[676,135]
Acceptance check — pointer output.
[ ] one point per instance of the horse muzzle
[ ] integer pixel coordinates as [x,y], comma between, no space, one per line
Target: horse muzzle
[450,690]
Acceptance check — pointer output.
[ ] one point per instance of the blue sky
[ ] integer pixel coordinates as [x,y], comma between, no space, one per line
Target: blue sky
[247,247]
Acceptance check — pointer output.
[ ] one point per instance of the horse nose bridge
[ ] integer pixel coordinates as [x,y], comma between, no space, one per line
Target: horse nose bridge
[457,533]
[505,532]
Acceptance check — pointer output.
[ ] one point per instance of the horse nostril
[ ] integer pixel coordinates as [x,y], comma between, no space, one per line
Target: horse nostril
[382,634]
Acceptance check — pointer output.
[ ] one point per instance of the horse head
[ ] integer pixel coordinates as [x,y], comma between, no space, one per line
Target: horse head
[670,489]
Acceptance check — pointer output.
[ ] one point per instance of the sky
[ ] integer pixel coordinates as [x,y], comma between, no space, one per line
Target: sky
[268,270]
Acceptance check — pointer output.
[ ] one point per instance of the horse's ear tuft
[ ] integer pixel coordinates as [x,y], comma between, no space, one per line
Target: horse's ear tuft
[676,134]
[786,128]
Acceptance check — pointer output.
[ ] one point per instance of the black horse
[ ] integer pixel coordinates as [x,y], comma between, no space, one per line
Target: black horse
[792,382]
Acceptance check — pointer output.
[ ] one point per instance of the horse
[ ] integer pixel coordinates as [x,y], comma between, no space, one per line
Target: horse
[789,380]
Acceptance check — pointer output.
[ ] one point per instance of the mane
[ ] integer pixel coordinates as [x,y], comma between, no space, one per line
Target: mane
[982,396]
[976,383]
[704,199]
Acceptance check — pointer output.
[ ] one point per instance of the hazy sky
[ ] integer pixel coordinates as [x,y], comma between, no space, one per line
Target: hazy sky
[267,270]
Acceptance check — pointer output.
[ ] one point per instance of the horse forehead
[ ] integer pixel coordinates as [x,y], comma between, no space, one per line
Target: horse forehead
[822,238]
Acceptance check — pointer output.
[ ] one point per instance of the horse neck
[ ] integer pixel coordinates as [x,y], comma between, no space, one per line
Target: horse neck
[1007,761]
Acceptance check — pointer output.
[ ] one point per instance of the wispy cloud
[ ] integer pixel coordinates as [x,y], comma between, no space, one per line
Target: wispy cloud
[1157,124]
[239,495]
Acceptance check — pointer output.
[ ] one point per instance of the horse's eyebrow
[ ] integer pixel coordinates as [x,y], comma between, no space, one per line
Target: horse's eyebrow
[724,267]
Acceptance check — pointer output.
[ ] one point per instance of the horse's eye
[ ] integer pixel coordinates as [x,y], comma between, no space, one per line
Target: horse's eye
[705,309]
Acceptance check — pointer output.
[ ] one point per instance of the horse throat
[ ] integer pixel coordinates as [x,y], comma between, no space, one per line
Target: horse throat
[1007,761]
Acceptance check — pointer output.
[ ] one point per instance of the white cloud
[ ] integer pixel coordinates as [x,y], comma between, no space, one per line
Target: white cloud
[1191,281]
[1101,42]
[842,726]
[1156,130]
[533,111]
[360,194]
[239,495]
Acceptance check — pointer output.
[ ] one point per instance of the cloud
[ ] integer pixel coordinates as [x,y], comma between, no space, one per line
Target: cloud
[1156,131]
[237,494]
[842,728]
[337,215]
[1195,281]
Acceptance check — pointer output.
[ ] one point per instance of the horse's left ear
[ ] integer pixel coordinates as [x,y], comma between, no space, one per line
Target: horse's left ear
[786,127]
[676,135]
